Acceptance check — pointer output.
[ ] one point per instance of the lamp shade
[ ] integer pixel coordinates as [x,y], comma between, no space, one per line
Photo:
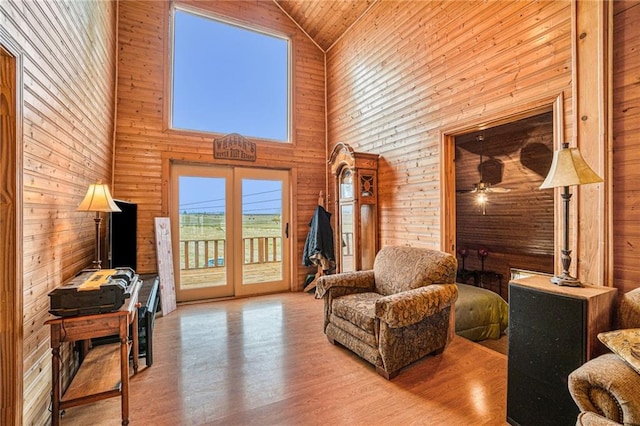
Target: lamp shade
[568,168]
[98,199]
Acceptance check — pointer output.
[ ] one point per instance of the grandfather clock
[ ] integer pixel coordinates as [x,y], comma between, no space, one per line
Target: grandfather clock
[356,179]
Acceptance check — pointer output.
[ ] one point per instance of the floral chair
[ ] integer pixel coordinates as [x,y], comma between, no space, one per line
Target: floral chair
[396,313]
[607,388]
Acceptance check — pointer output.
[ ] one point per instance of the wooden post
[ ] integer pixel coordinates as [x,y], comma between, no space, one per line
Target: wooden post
[592,118]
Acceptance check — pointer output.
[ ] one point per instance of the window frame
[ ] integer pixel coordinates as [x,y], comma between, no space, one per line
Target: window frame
[169,74]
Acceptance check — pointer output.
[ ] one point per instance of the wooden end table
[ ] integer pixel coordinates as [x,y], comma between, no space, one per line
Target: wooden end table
[104,372]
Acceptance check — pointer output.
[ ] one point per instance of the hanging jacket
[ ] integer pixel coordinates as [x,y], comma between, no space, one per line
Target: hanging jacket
[318,248]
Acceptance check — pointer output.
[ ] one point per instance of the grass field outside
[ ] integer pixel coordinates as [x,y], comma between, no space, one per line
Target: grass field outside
[199,229]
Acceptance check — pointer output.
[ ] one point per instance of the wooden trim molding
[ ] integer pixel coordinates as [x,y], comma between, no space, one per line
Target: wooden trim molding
[448,193]
[447,159]
[116,23]
[592,126]
[11,273]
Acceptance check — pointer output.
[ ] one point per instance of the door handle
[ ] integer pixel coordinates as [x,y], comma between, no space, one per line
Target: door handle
[286,230]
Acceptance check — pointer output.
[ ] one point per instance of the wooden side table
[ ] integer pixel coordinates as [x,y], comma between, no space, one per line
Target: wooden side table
[488,277]
[104,372]
[463,275]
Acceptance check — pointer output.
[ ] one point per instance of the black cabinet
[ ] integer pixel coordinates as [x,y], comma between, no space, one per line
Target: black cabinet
[552,331]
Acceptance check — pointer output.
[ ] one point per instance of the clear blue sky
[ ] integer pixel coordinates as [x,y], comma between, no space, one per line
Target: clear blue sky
[229,79]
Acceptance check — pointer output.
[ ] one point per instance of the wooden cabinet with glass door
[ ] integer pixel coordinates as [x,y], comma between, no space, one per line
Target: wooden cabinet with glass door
[356,180]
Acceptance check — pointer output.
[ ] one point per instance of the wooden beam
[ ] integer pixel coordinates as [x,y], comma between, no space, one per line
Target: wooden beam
[592,121]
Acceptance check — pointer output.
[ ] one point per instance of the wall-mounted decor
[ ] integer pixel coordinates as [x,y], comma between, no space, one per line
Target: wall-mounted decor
[234,147]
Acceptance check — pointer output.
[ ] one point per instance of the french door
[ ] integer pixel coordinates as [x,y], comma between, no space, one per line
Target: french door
[230,230]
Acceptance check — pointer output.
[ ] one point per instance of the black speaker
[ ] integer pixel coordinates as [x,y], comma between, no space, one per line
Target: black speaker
[547,341]
[123,236]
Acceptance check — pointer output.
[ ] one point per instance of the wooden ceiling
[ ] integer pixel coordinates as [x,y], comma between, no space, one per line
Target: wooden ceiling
[325,21]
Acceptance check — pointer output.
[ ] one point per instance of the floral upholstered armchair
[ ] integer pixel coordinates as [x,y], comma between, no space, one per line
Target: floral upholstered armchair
[396,313]
[607,388]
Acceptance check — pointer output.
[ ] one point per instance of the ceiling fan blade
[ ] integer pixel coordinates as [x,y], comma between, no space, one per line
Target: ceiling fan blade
[498,190]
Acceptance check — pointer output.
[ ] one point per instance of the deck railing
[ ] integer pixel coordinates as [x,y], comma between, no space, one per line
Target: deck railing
[203,254]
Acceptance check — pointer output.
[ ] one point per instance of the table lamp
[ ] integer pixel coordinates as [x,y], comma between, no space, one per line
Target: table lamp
[98,199]
[568,168]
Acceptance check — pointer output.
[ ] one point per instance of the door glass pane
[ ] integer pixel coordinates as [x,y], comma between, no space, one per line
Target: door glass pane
[203,227]
[346,185]
[368,235]
[262,230]
[346,232]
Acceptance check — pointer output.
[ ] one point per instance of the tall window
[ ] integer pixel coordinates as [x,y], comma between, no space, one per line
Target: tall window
[228,79]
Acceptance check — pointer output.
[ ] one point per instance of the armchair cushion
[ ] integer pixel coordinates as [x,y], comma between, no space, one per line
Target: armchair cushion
[625,343]
[403,268]
[412,306]
[358,309]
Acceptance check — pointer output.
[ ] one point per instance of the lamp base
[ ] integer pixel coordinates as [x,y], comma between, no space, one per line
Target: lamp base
[566,279]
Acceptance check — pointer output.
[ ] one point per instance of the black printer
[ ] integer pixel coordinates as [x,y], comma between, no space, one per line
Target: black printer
[93,291]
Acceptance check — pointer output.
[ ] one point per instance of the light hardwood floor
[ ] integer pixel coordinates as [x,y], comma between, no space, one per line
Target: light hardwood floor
[266,361]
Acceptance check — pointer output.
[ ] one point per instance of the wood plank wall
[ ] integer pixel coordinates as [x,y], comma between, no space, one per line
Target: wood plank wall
[626,144]
[68,50]
[409,69]
[143,139]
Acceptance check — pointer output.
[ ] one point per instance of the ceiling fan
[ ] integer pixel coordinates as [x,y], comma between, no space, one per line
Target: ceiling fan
[486,187]
[483,187]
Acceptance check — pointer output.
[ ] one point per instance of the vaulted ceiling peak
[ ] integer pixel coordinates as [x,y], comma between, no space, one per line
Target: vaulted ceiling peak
[325,21]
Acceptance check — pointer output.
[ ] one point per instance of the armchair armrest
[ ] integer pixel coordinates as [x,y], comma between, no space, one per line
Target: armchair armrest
[358,280]
[608,386]
[411,306]
[629,310]
[588,418]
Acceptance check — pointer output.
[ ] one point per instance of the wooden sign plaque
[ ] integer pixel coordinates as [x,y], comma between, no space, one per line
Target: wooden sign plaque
[234,147]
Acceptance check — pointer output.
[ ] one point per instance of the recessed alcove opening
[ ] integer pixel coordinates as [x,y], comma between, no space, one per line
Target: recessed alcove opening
[515,226]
